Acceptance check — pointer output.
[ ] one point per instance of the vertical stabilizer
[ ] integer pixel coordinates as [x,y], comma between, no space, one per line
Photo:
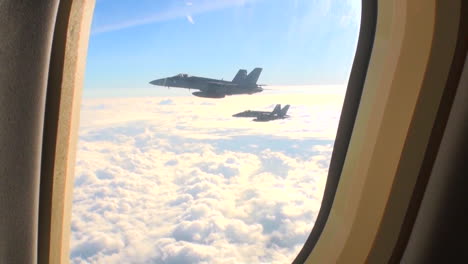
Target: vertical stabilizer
[282,112]
[277,110]
[253,76]
[240,76]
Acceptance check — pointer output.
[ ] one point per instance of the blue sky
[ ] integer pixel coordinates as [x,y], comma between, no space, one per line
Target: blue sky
[299,42]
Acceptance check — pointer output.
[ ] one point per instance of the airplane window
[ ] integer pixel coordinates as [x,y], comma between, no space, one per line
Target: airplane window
[226,167]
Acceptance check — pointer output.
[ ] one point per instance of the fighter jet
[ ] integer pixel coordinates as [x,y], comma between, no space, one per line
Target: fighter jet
[263,116]
[212,88]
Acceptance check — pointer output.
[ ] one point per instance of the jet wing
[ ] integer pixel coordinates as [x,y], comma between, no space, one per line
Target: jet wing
[221,84]
[217,87]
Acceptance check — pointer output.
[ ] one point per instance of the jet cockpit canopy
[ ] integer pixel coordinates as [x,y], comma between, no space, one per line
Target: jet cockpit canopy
[182,75]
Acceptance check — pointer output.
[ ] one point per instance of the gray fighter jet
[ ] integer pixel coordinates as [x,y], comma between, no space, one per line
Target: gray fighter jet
[263,116]
[212,88]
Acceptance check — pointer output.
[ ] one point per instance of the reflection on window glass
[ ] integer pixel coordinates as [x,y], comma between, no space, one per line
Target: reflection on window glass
[207,128]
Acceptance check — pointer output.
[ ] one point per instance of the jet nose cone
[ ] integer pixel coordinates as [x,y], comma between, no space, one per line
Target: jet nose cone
[160,82]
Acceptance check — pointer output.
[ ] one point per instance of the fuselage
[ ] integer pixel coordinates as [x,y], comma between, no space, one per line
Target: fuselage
[262,116]
[250,113]
[265,118]
[208,87]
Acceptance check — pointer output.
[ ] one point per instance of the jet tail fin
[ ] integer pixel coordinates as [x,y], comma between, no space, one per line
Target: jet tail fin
[277,110]
[253,76]
[240,76]
[282,112]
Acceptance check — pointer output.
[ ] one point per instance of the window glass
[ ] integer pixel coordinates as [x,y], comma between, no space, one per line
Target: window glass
[227,166]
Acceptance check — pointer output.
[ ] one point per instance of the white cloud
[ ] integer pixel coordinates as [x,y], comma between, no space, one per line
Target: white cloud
[176,180]
[190,19]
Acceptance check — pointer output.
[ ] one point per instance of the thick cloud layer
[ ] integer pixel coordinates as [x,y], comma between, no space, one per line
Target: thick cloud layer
[178,180]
